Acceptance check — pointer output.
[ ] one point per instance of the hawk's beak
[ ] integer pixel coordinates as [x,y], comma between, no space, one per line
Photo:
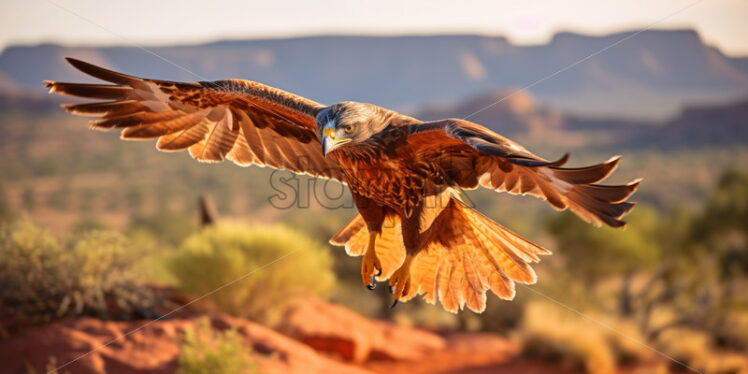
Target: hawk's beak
[329,142]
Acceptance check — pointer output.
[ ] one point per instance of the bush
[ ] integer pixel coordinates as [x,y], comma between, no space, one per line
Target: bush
[219,255]
[205,351]
[41,279]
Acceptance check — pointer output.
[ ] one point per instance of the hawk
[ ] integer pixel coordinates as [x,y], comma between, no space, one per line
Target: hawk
[411,228]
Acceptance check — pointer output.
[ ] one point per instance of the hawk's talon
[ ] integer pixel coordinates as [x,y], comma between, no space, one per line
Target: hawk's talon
[400,280]
[371,267]
[393,304]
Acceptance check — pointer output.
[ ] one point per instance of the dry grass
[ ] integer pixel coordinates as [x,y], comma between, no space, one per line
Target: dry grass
[725,363]
[550,335]
[696,349]
[93,273]
[554,334]
[558,335]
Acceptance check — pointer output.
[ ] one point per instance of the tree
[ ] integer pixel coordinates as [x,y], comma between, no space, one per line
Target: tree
[723,226]
[29,198]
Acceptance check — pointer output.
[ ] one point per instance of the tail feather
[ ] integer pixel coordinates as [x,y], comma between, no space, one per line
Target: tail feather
[465,255]
[468,255]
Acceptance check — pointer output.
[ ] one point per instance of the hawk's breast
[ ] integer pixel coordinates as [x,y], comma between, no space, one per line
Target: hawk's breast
[395,182]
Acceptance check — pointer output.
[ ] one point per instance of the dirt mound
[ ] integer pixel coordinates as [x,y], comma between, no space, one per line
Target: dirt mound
[153,347]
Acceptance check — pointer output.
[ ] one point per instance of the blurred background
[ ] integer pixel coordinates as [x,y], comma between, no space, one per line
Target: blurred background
[100,236]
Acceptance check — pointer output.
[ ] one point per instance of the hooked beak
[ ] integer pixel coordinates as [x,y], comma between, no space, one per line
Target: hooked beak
[329,142]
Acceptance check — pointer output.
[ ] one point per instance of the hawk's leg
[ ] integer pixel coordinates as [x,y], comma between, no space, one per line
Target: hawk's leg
[373,215]
[400,279]
[370,265]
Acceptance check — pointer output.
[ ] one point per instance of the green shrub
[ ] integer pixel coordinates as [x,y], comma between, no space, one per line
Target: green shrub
[92,274]
[206,351]
[219,255]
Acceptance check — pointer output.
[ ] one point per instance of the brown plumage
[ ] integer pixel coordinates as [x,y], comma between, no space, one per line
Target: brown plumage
[403,173]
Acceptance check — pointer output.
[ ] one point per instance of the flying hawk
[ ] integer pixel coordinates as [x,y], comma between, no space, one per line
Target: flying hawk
[410,227]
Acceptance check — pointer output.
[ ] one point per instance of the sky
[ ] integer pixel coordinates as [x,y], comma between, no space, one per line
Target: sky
[156,22]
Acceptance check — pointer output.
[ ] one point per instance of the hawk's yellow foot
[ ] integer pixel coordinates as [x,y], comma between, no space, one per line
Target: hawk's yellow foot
[370,264]
[400,280]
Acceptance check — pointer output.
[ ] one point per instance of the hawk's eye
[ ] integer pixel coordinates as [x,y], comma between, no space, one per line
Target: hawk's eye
[348,129]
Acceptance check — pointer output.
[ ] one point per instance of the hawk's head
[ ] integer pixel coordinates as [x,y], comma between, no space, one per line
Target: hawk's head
[348,123]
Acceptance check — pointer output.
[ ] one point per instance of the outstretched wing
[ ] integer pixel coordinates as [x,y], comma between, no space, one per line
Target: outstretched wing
[243,121]
[465,154]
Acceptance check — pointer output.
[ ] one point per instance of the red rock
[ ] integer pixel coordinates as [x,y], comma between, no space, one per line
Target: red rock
[147,347]
[341,332]
[463,353]
[325,329]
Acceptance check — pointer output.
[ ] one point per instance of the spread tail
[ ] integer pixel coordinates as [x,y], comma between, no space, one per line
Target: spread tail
[465,255]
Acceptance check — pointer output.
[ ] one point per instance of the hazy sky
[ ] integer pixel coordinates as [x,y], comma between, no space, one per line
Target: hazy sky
[147,22]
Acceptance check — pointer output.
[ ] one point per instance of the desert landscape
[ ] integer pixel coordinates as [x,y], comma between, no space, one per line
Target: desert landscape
[115,258]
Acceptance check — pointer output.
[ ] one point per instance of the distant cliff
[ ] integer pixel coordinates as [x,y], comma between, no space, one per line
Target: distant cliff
[697,125]
[647,76]
[509,113]
[518,115]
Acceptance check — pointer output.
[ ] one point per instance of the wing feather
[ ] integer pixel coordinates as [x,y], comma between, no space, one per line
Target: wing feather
[92,91]
[106,108]
[504,165]
[220,139]
[243,121]
[241,153]
[185,138]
